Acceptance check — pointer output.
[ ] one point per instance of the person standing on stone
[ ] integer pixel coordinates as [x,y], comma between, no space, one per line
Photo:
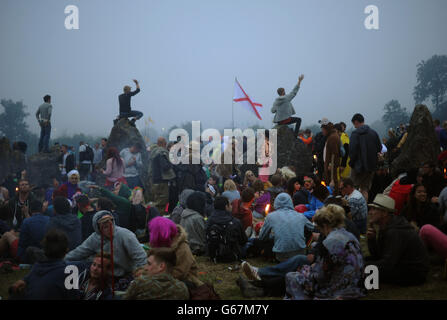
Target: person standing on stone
[364,148]
[162,172]
[283,108]
[132,162]
[43,116]
[124,101]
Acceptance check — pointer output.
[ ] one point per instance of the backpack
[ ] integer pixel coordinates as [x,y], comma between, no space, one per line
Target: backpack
[86,155]
[89,153]
[222,242]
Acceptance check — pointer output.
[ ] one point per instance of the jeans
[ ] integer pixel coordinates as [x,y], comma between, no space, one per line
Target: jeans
[44,140]
[84,170]
[281,269]
[133,113]
[291,120]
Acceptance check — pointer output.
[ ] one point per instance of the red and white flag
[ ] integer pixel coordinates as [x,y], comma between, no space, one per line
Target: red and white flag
[243,99]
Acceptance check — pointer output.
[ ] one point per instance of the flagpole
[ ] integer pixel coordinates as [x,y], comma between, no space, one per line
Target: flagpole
[232,105]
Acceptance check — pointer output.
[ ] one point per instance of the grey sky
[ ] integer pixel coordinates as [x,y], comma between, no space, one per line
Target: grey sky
[186,55]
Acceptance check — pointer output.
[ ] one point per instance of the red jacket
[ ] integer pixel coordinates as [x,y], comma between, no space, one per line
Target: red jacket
[241,213]
[400,193]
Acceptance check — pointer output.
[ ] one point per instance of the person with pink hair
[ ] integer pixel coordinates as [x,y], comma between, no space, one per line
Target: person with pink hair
[165,233]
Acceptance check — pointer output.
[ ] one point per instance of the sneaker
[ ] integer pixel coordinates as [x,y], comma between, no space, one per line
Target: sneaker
[250,271]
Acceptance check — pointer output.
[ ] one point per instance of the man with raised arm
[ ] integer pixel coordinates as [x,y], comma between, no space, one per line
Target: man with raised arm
[283,108]
[124,101]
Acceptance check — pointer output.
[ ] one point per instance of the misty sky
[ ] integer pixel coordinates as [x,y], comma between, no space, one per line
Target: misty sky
[186,54]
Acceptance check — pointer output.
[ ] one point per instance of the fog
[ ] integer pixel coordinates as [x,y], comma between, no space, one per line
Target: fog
[186,55]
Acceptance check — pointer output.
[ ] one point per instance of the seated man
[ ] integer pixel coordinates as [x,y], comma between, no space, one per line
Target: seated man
[397,250]
[85,214]
[157,282]
[283,109]
[128,255]
[224,233]
[357,203]
[66,221]
[46,280]
[241,209]
[32,232]
[287,228]
[124,101]
[94,282]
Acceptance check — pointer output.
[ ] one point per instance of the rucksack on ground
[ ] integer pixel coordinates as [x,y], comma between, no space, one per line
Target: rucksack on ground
[223,242]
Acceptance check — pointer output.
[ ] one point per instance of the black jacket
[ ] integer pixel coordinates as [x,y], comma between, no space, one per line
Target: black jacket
[190,176]
[363,149]
[427,214]
[398,247]
[223,217]
[15,210]
[69,162]
[124,100]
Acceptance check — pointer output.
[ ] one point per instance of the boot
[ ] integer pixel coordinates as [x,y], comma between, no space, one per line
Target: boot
[249,290]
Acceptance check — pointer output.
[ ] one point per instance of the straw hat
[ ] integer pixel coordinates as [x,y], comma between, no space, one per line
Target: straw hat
[383,202]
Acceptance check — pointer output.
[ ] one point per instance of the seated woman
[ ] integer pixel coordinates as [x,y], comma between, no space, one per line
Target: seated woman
[419,211]
[299,195]
[165,233]
[262,199]
[337,274]
[249,179]
[230,191]
[70,188]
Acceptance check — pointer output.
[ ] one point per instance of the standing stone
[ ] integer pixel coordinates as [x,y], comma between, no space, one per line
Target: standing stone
[292,152]
[5,158]
[43,167]
[421,145]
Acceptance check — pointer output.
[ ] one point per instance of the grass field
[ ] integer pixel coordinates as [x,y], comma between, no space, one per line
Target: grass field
[224,281]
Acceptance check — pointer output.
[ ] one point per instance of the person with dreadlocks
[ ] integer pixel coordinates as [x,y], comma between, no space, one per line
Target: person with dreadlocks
[95,282]
[127,254]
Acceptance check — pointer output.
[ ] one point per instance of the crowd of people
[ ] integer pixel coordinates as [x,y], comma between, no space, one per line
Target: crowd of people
[309,227]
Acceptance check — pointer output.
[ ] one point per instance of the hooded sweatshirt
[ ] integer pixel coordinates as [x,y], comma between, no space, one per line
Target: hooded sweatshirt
[363,149]
[46,281]
[128,255]
[398,247]
[282,107]
[285,226]
[177,212]
[193,223]
[70,224]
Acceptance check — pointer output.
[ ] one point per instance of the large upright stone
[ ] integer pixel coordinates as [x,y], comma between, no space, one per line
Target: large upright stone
[43,167]
[292,152]
[5,158]
[124,135]
[421,145]
[289,152]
